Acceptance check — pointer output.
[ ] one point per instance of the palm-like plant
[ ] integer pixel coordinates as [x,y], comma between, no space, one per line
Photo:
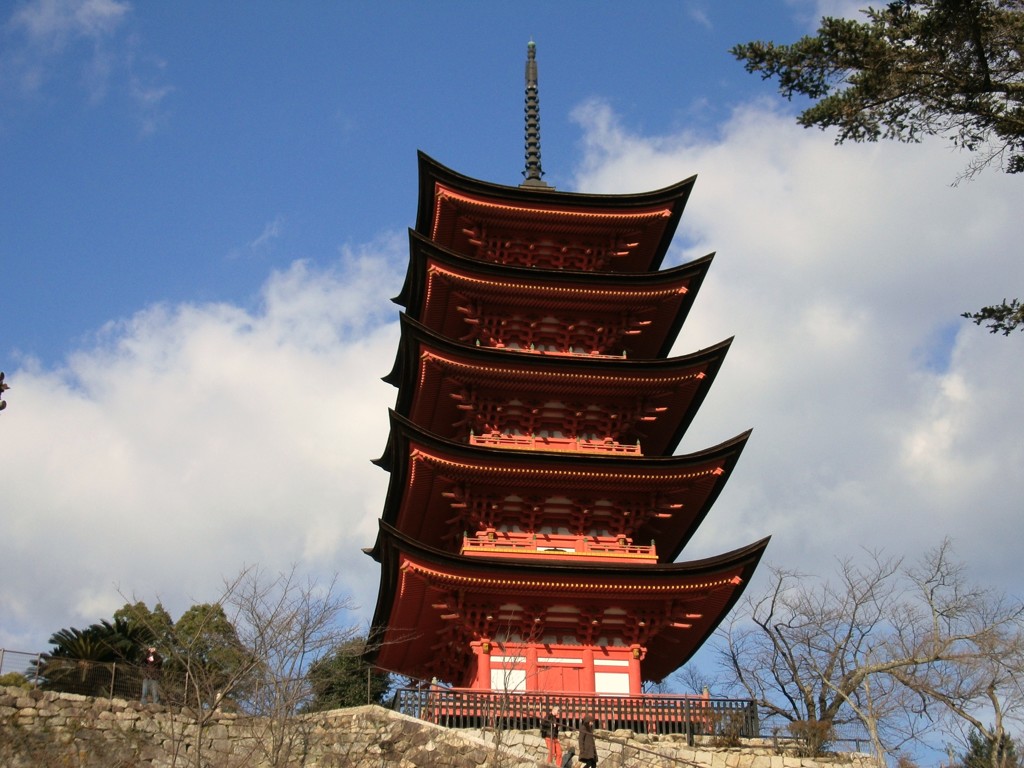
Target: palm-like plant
[80,658]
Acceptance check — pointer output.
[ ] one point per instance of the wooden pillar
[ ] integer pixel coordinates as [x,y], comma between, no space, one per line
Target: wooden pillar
[587,677]
[482,655]
[636,681]
[532,673]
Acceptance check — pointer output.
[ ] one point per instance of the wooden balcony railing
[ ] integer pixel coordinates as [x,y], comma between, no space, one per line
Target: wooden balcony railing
[555,545]
[537,443]
[572,352]
[649,713]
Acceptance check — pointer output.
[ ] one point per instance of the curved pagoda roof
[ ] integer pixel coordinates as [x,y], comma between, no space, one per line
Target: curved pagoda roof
[439,278]
[668,496]
[453,208]
[432,604]
[430,370]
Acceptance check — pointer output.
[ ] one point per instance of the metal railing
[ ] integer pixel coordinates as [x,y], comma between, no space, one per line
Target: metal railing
[99,679]
[108,680]
[89,678]
[845,736]
[15,663]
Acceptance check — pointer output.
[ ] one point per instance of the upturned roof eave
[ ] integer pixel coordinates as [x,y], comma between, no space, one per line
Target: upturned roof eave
[674,547]
[687,278]
[422,250]
[603,471]
[389,536]
[648,373]
[569,578]
[432,172]
[714,365]
[404,431]
[659,650]
[417,335]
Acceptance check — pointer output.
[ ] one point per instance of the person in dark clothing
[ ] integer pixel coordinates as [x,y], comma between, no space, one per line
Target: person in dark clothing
[152,662]
[549,730]
[587,745]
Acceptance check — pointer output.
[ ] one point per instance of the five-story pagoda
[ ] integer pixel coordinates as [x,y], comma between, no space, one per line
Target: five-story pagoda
[535,508]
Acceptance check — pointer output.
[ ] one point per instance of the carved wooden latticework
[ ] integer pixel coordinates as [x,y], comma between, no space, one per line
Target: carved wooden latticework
[524,248]
[492,517]
[496,419]
[548,332]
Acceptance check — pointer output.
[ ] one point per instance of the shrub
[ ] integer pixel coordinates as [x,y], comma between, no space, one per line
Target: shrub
[15,680]
[813,735]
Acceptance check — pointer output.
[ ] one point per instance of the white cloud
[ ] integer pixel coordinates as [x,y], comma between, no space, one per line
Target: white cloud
[147,88]
[52,23]
[263,242]
[90,40]
[191,440]
[810,12]
[881,419]
[699,15]
[270,232]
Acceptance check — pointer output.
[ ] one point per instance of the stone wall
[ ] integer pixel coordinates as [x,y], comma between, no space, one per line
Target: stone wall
[62,729]
[625,749]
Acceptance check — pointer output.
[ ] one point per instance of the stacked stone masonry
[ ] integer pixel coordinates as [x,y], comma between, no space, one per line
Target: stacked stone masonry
[60,729]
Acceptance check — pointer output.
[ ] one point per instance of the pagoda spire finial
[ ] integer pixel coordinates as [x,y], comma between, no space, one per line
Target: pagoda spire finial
[533,173]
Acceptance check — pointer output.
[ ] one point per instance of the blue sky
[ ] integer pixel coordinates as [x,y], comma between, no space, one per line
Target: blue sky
[203,216]
[176,151]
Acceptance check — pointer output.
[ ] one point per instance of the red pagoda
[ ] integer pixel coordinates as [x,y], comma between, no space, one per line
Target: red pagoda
[536,508]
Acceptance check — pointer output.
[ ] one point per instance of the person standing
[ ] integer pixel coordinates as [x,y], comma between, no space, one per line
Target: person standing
[549,730]
[587,745]
[152,662]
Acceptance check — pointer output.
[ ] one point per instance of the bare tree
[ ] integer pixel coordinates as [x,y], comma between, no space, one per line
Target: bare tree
[286,623]
[803,648]
[206,668]
[510,644]
[971,643]
[690,678]
[249,650]
[878,646]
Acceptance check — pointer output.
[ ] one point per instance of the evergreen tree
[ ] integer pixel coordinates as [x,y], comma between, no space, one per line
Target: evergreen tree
[983,753]
[155,626]
[208,656]
[340,679]
[915,68]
